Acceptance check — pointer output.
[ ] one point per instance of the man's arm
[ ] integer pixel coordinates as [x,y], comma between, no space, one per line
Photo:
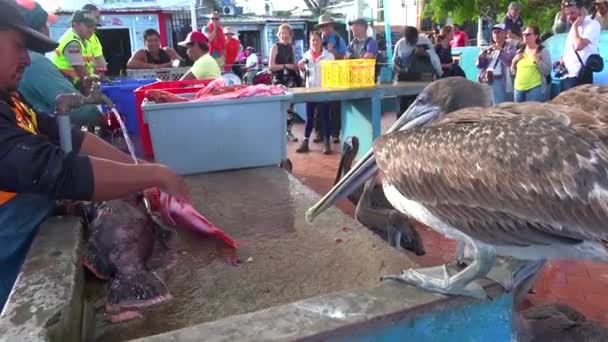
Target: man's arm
[591,32]
[32,163]
[372,49]
[73,53]
[139,61]
[212,31]
[173,54]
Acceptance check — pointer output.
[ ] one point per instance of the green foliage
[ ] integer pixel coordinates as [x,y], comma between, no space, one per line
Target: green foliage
[534,12]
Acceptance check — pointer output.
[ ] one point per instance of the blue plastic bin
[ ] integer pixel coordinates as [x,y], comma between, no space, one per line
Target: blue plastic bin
[197,137]
[121,93]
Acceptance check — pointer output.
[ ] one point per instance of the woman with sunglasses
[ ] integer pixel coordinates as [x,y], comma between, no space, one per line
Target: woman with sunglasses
[531,66]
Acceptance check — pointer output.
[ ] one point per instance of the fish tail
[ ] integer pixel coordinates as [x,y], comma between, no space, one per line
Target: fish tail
[136,290]
[201,222]
[224,237]
[95,261]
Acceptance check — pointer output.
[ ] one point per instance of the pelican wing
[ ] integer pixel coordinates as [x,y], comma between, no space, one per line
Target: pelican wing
[518,175]
[590,98]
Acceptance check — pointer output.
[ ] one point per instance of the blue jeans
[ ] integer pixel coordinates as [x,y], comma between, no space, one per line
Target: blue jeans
[535,94]
[567,83]
[19,221]
[499,91]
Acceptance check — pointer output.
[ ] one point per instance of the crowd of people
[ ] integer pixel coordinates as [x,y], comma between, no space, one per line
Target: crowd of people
[515,64]
[518,67]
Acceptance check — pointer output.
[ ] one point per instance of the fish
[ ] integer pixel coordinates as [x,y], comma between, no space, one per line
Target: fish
[126,247]
[180,213]
[215,91]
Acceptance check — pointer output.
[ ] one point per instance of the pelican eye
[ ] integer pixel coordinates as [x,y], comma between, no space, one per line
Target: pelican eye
[423,99]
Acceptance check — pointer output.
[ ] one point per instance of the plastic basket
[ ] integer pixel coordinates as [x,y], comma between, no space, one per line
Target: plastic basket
[163,74]
[174,87]
[348,73]
[121,93]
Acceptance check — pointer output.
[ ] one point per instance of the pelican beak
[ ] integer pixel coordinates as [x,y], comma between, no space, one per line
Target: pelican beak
[366,168]
[359,174]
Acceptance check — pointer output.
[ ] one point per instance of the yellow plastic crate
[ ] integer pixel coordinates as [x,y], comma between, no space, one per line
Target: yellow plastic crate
[348,73]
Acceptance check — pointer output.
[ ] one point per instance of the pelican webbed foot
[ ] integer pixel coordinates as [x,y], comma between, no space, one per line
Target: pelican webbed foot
[438,279]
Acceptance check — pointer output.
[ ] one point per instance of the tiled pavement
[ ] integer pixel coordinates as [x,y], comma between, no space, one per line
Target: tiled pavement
[582,285]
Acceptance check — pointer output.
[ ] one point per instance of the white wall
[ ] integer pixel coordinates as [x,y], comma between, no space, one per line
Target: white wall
[136,23]
[71,5]
[401,12]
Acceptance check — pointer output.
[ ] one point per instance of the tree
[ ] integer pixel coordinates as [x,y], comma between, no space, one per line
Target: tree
[534,12]
[316,7]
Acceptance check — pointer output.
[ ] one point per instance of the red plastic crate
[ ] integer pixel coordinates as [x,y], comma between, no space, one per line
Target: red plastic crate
[174,87]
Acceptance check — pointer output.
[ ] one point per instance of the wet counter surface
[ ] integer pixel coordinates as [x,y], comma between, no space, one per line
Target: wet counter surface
[282,258]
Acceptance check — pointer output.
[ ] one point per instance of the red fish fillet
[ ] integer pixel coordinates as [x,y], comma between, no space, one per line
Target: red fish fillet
[177,212]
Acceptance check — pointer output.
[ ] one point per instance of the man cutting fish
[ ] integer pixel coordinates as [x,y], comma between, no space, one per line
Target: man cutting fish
[35,171]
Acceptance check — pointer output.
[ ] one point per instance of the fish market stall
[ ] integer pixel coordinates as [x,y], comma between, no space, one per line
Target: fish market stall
[151,273]
[360,107]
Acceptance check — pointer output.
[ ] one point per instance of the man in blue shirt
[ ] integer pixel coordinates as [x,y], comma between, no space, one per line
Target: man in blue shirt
[361,46]
[332,41]
[42,82]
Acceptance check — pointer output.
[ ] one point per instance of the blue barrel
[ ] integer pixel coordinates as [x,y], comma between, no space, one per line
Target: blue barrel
[121,93]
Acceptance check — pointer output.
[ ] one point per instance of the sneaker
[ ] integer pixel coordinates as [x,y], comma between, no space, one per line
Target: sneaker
[291,137]
[317,138]
[335,139]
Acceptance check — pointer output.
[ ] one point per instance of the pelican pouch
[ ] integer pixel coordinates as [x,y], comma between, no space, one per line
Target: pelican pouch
[595,63]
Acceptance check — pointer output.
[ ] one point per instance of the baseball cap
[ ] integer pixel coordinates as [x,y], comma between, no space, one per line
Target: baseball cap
[11,17]
[84,17]
[194,36]
[499,27]
[358,21]
[34,15]
[92,8]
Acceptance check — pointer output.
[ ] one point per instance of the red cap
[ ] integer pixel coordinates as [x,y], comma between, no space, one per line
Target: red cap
[194,36]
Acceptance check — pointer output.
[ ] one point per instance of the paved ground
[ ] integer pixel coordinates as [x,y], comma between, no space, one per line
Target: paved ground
[583,285]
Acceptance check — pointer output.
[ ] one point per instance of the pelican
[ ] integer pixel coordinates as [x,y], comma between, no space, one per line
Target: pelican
[526,181]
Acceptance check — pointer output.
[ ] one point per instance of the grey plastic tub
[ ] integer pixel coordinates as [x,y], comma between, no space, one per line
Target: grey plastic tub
[196,137]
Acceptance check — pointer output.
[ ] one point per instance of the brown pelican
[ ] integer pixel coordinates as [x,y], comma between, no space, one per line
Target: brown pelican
[526,181]
[373,209]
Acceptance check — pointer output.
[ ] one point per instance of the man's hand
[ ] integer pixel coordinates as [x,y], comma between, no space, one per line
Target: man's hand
[173,184]
[65,103]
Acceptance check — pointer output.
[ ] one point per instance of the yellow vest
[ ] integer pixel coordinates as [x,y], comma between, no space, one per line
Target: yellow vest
[62,63]
[97,51]
[95,46]
[26,119]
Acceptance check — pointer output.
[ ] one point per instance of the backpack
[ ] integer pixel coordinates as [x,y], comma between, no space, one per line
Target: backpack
[417,68]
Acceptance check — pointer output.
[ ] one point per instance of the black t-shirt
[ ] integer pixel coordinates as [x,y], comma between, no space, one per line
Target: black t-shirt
[35,163]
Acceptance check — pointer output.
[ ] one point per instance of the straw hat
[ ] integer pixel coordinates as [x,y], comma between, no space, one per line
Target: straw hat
[325,19]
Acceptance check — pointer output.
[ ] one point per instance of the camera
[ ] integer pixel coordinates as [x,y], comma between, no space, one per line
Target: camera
[559,69]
